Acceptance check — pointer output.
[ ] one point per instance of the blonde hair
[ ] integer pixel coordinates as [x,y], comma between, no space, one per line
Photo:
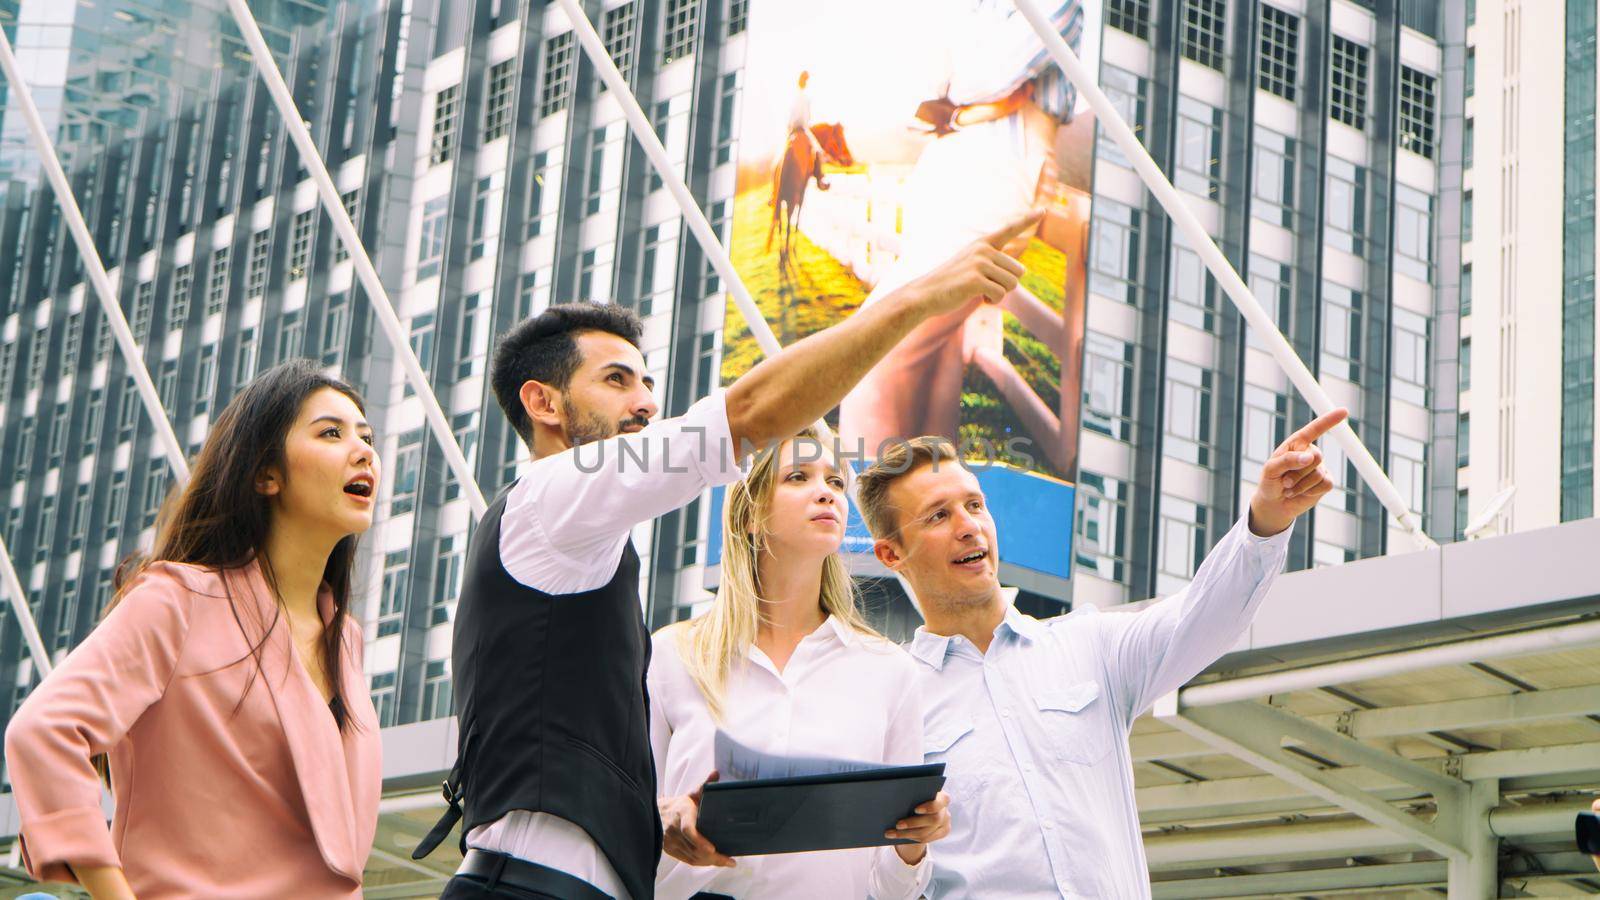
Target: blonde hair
[711,644]
[896,462]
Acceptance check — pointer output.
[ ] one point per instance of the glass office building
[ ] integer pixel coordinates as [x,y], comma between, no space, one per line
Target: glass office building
[490,175]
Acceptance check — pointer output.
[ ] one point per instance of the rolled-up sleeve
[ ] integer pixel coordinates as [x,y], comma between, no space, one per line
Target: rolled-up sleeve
[565,521]
[84,708]
[1155,651]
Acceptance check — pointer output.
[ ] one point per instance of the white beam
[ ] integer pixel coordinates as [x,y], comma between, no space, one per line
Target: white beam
[1521,643]
[1253,745]
[1414,719]
[1196,236]
[1251,795]
[366,273]
[1302,881]
[1267,794]
[1338,746]
[1477,712]
[1332,838]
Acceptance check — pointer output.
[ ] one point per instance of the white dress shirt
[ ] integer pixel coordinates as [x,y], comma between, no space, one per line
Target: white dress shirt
[565,525]
[1035,731]
[842,694]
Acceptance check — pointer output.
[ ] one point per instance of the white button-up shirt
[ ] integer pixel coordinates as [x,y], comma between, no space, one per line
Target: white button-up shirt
[565,524]
[1034,733]
[844,695]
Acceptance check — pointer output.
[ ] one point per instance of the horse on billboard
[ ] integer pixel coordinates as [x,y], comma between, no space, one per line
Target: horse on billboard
[802,163]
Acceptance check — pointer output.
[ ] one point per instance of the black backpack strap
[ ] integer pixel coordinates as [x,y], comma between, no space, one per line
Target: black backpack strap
[452,814]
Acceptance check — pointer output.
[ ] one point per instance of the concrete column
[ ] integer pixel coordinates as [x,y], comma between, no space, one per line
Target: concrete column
[1476,875]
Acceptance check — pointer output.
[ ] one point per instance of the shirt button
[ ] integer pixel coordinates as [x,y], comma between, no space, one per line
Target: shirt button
[1048,824]
[1005,713]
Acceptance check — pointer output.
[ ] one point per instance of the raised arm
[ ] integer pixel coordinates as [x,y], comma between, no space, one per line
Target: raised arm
[787,392]
[1153,652]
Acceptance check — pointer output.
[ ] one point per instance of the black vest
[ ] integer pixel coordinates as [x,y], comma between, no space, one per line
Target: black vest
[550,694]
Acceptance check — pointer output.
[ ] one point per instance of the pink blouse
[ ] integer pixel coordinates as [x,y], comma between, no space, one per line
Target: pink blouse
[229,781]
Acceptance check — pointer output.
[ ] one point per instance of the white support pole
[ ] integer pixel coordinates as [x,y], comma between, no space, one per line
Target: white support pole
[295,124]
[90,257]
[1195,234]
[19,605]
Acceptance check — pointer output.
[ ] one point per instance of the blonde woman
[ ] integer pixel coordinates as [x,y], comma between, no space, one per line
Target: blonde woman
[785,663]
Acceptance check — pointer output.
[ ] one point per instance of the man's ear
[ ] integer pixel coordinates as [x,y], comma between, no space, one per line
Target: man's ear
[541,402]
[888,554]
[268,483]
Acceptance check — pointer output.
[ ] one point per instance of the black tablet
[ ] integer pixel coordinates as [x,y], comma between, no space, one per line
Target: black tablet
[814,812]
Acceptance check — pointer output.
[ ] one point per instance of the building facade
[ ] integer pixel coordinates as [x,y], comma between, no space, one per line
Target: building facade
[491,175]
[1528,255]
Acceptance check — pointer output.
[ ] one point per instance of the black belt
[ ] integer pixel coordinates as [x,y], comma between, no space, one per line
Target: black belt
[498,868]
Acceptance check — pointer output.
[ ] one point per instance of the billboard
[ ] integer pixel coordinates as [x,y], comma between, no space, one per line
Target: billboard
[876,140]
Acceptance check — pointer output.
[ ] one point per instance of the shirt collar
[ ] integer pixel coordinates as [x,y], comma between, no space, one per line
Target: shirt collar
[934,648]
[1022,625]
[930,648]
[845,634]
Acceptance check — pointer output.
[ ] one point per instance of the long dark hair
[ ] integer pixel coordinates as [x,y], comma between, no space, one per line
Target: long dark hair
[219,520]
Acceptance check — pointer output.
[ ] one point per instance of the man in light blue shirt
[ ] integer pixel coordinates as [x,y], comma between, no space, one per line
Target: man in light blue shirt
[1032,718]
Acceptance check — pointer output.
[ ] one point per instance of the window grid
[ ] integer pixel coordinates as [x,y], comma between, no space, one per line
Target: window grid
[558,65]
[335,328]
[446,112]
[430,250]
[497,111]
[256,273]
[300,235]
[727,117]
[678,29]
[217,285]
[738,16]
[352,206]
[182,288]
[1102,546]
[1348,83]
[486,213]
[407,466]
[617,28]
[144,304]
[1278,65]
[1131,16]
[1416,112]
[36,357]
[1203,23]
[8,361]
[436,690]
[396,584]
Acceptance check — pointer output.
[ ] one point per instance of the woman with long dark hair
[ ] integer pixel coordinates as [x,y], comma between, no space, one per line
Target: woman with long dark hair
[224,685]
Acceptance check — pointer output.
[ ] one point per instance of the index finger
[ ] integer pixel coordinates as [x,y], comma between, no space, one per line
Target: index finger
[1318,427]
[1013,228]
